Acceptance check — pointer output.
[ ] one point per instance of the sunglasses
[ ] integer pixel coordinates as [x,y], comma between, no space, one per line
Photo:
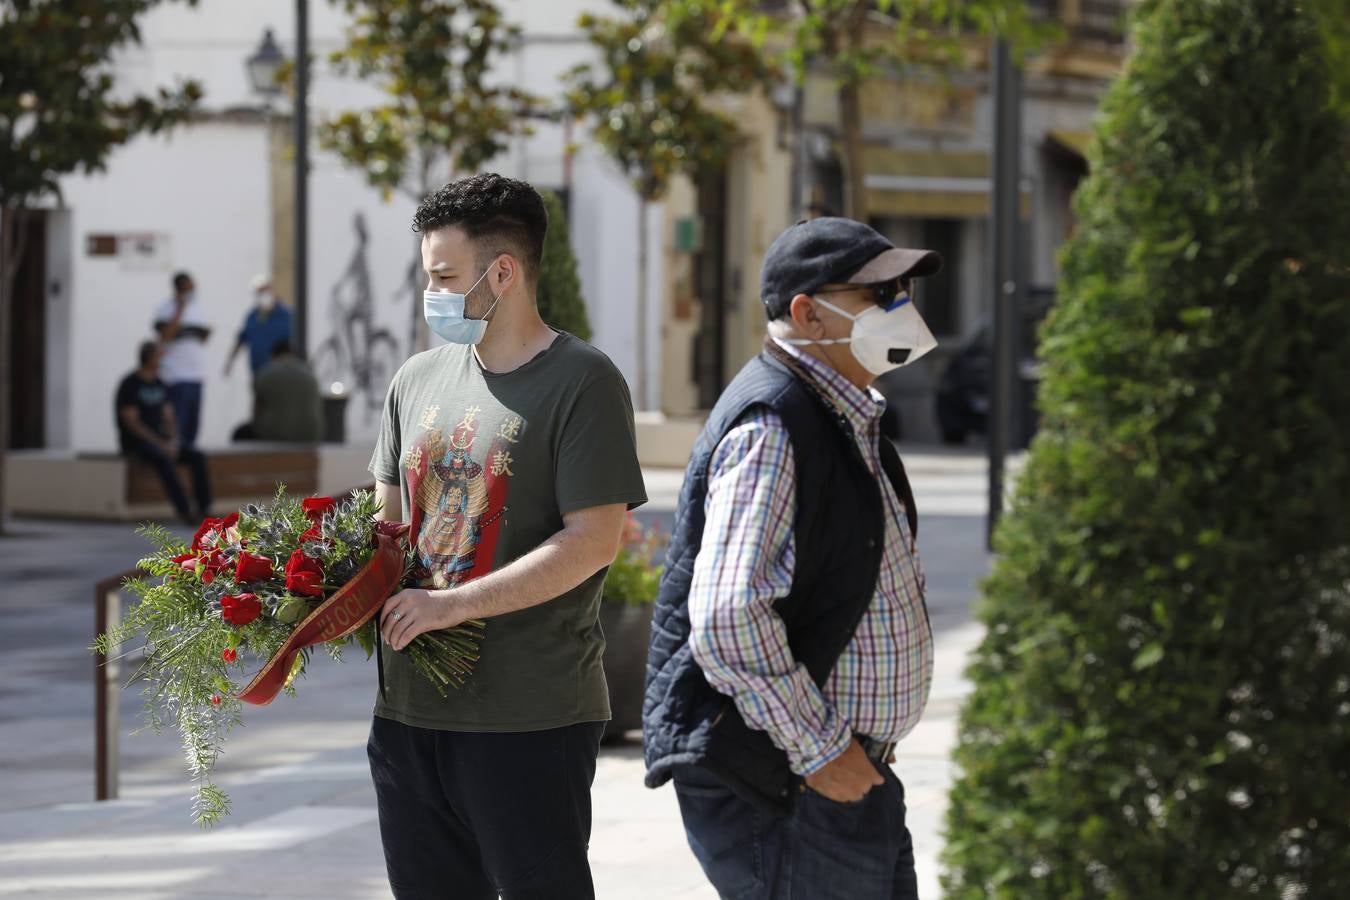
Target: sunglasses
[888,295]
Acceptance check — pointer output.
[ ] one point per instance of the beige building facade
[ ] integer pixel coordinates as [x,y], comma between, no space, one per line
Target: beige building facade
[928,158]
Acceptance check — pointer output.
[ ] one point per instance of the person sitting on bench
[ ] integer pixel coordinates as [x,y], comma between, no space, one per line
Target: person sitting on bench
[286,404]
[147,431]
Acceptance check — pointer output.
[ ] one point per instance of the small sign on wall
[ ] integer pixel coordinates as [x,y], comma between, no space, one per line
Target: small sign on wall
[100,245]
[133,249]
[689,234]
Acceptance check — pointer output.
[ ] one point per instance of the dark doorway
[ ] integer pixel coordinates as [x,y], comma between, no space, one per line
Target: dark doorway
[939,295]
[710,270]
[28,338]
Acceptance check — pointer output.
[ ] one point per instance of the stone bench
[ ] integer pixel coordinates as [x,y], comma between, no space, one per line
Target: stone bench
[105,485]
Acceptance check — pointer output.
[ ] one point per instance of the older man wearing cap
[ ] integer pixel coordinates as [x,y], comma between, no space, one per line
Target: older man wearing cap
[791,647]
[267,324]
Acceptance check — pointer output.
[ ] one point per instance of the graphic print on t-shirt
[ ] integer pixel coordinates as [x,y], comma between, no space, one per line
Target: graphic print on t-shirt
[459,486]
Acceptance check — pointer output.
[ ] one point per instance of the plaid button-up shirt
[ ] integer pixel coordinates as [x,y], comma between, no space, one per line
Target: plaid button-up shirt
[880,684]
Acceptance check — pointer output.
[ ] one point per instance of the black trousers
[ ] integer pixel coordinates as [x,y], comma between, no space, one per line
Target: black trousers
[469,815]
[167,471]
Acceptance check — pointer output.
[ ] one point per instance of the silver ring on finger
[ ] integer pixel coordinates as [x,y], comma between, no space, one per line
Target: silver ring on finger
[398,615]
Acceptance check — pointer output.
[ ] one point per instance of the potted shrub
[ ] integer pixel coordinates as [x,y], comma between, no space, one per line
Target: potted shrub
[626,618]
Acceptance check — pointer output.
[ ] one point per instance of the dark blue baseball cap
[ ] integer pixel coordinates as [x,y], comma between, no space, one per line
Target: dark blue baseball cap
[833,250]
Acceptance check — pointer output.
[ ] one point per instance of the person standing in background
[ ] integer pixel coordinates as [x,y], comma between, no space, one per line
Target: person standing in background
[267,324]
[183,333]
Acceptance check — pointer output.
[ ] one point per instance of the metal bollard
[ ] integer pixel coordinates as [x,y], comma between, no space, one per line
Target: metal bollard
[107,686]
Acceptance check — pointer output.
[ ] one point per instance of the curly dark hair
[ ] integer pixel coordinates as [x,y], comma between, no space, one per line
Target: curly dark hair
[499,214]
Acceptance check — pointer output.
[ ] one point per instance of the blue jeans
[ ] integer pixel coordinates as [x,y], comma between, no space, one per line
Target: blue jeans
[823,850]
[186,397]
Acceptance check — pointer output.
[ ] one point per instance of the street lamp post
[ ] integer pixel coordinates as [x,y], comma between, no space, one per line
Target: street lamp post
[1006,289]
[263,68]
[301,176]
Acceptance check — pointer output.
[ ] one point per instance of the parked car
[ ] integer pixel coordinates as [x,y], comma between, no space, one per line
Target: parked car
[962,397]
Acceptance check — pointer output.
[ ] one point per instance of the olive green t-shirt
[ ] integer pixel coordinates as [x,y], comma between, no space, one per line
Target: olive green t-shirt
[489,464]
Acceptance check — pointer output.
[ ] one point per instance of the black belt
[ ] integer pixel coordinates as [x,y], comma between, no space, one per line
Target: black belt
[877,751]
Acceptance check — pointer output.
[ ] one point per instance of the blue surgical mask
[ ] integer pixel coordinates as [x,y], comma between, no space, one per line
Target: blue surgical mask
[444,313]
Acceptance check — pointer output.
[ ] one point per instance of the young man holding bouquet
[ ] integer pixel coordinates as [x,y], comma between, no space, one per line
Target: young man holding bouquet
[511,453]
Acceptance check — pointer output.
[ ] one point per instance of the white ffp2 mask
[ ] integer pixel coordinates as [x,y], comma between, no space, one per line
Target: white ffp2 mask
[883,339]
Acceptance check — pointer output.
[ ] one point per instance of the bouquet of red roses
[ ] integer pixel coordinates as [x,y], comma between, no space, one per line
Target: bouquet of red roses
[272,581]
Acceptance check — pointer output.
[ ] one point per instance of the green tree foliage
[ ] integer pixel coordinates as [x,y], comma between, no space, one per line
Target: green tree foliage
[652,99]
[1333,23]
[560,300]
[61,112]
[442,113]
[852,41]
[443,116]
[1162,701]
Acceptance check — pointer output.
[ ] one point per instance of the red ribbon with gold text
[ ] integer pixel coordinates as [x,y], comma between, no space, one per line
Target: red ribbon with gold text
[352,606]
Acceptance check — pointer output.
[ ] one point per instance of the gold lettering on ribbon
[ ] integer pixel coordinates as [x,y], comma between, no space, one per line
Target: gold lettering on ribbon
[350,608]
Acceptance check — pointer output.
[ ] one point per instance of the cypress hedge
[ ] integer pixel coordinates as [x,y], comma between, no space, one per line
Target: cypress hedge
[560,302]
[1161,704]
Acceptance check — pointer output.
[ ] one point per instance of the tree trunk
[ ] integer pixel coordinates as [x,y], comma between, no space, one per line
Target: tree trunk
[855,175]
[641,400]
[850,112]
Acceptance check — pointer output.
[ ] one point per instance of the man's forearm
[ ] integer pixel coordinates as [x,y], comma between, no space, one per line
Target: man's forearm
[139,429]
[169,330]
[145,434]
[548,571]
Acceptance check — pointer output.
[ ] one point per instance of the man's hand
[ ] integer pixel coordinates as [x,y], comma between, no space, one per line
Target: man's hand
[847,778]
[413,611]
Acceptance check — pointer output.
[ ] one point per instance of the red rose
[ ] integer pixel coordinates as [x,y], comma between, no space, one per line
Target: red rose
[210,525]
[240,609]
[213,563]
[313,532]
[304,576]
[187,562]
[315,507]
[207,526]
[252,568]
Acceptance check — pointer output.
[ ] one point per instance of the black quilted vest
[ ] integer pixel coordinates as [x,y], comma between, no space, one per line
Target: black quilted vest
[839,534]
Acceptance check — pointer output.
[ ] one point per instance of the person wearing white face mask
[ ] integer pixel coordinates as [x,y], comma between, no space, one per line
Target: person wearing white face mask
[511,453]
[791,648]
[267,324]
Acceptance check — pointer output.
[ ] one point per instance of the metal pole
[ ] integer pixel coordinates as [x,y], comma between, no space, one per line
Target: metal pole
[1007,91]
[798,163]
[107,690]
[301,252]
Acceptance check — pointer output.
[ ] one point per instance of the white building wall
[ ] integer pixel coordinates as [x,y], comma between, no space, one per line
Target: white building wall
[205,189]
[189,191]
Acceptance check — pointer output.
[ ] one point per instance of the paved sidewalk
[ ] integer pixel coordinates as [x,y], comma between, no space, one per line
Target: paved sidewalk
[303,823]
